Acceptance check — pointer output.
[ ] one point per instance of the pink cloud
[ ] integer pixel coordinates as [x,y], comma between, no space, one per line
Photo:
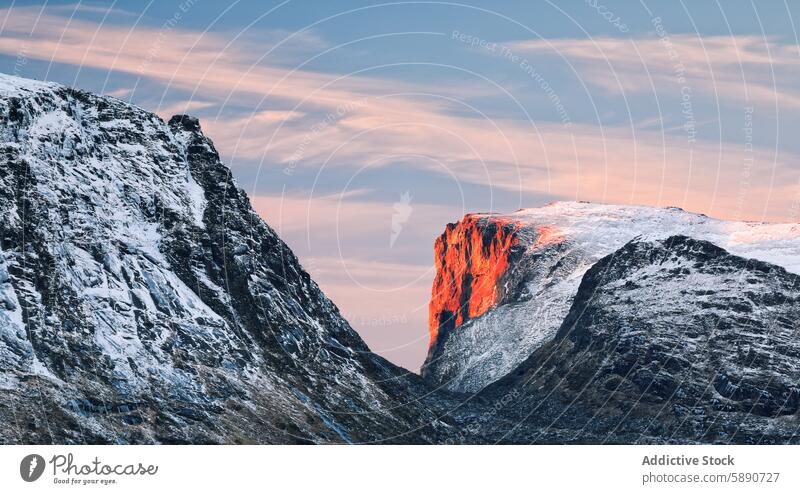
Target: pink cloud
[737,68]
[376,118]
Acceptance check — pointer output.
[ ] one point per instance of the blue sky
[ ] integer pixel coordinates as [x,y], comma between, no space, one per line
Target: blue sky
[360,129]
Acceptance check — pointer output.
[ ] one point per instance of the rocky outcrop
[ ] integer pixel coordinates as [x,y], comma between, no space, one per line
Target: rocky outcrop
[471,259]
[531,287]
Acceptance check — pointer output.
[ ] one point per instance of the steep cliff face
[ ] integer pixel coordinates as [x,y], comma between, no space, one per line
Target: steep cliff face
[142,300]
[550,250]
[471,259]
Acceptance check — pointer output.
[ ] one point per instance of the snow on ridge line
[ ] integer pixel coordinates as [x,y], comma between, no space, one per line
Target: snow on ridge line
[603,228]
[15,86]
[473,250]
[11,84]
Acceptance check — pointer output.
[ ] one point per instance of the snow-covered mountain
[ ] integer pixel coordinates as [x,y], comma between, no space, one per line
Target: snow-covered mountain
[505,283]
[143,300]
[673,340]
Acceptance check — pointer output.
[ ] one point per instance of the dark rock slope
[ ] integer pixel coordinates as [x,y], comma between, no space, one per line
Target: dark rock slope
[142,300]
[672,340]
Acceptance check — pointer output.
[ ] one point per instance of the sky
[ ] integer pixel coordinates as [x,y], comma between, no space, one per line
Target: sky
[359,129]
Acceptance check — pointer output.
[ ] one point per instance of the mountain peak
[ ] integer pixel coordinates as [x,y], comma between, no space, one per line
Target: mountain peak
[674,338]
[143,300]
[578,208]
[11,85]
[506,280]
[185,122]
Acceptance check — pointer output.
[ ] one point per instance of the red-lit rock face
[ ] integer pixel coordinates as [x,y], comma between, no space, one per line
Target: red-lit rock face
[471,257]
[489,311]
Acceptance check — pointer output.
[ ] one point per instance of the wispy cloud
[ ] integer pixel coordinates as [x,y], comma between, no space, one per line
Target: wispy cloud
[90,8]
[120,93]
[199,62]
[182,107]
[611,164]
[321,119]
[740,68]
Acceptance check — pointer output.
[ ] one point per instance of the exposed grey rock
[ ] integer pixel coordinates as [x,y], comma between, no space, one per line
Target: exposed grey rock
[673,340]
[142,300]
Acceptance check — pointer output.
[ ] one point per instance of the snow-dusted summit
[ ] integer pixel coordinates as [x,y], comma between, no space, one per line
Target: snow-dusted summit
[528,266]
[669,341]
[142,300]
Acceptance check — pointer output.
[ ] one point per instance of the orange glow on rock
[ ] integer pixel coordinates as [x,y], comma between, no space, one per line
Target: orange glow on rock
[471,257]
[547,235]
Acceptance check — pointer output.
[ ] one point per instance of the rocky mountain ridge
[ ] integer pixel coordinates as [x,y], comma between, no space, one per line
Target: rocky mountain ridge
[143,300]
[540,256]
[672,340]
